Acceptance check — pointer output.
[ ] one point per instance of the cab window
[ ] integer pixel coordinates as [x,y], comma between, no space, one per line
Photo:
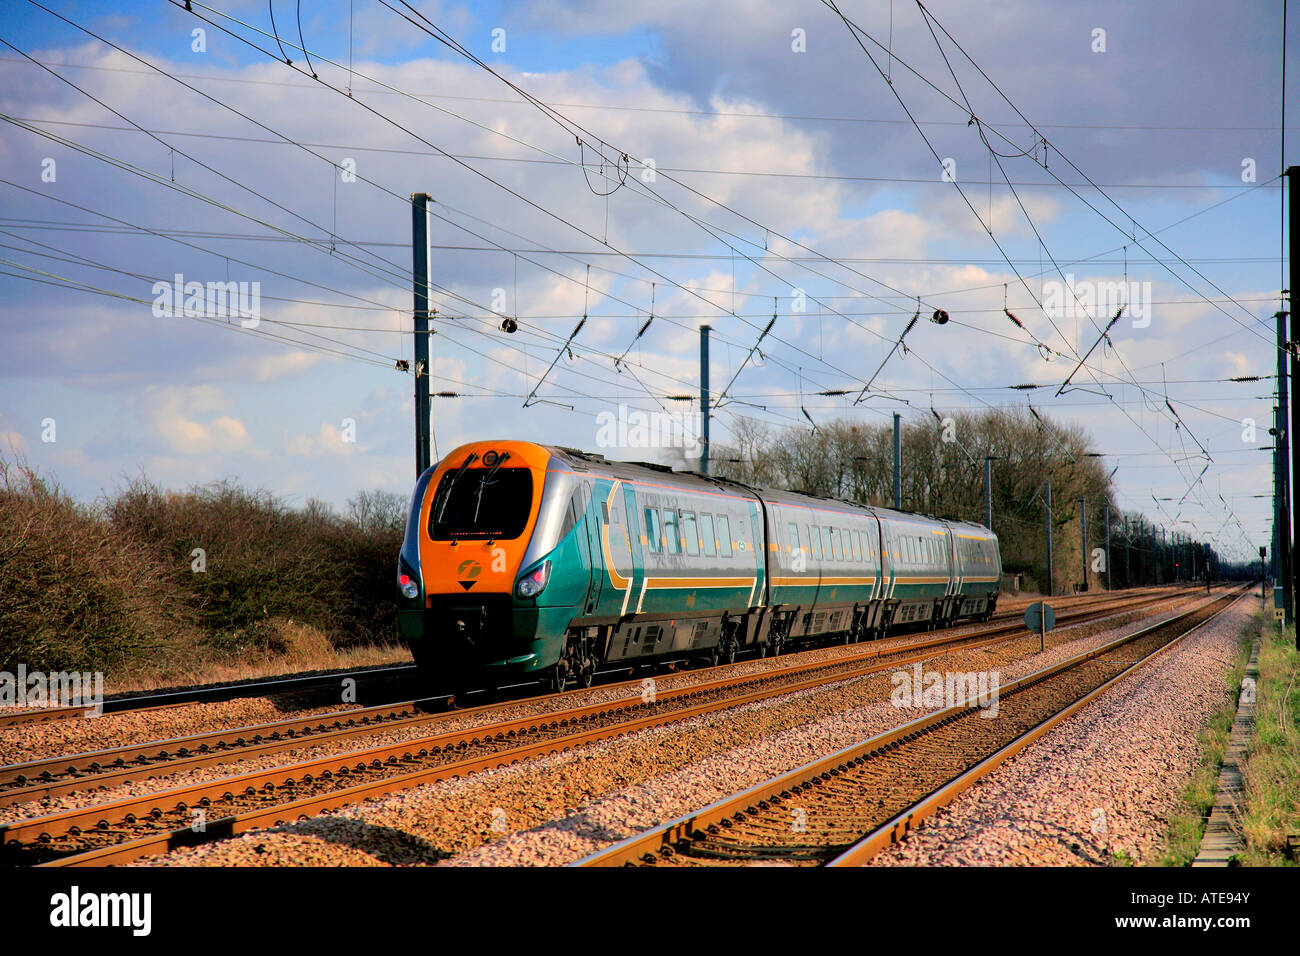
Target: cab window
[482,503]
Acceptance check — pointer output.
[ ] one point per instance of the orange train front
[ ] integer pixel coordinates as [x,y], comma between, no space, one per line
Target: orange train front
[522,560]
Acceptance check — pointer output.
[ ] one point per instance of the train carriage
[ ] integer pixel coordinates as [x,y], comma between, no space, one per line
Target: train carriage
[525,560]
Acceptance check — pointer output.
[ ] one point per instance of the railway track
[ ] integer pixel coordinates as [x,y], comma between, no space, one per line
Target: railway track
[843,809]
[103,769]
[132,703]
[125,829]
[139,703]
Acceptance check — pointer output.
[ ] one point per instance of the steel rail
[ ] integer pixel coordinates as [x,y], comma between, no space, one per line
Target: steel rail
[56,776]
[661,842]
[138,703]
[179,800]
[135,703]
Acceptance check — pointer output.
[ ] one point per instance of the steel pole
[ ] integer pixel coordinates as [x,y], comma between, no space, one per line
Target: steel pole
[1110,581]
[1083,539]
[898,462]
[420,271]
[1293,231]
[1281,484]
[704,399]
[1049,537]
[1128,566]
[988,492]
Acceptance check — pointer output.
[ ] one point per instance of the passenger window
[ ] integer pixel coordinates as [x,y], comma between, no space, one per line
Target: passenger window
[855,538]
[814,542]
[652,531]
[724,536]
[690,534]
[672,534]
[835,543]
[706,533]
[793,530]
[826,543]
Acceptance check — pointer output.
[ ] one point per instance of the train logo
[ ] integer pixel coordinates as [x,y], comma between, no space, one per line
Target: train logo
[469,572]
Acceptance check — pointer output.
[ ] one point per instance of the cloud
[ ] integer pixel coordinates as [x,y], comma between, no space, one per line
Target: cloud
[329,440]
[812,146]
[220,435]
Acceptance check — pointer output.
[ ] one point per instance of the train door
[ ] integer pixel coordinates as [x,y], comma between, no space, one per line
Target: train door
[875,551]
[632,600]
[952,592]
[588,544]
[596,521]
[889,558]
[762,535]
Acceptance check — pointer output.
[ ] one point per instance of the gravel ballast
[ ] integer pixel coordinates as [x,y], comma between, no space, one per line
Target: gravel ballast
[526,814]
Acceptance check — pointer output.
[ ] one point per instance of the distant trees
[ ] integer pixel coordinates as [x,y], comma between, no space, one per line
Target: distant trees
[943,475]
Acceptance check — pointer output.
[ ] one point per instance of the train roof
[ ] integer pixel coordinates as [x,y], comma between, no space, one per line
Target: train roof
[648,471]
[654,472]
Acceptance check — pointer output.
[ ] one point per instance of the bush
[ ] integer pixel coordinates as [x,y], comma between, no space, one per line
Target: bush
[119,585]
[75,593]
[265,560]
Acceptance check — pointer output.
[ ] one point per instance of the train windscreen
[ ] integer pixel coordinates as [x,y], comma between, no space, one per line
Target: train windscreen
[482,503]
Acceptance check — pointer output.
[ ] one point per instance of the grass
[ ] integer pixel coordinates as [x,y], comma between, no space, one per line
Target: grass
[1272,771]
[1186,824]
[313,657]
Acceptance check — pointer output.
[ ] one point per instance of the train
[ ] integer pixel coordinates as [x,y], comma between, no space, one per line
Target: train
[527,561]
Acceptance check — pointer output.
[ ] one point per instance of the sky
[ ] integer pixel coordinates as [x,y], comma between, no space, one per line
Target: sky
[724,163]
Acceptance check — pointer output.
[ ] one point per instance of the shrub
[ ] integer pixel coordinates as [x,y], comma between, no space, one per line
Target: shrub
[76,593]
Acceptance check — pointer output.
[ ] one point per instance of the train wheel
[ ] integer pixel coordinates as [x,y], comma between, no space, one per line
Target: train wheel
[556,679]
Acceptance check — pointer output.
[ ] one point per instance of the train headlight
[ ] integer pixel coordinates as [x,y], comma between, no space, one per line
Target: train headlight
[409,588]
[534,583]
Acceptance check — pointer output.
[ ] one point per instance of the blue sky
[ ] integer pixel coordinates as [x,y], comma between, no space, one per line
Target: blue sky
[754,141]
